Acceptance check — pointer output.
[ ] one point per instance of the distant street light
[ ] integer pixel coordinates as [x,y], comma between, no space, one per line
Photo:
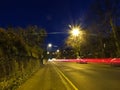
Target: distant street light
[58,50]
[48,52]
[49,45]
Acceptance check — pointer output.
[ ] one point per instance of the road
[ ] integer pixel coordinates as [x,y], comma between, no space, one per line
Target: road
[74,76]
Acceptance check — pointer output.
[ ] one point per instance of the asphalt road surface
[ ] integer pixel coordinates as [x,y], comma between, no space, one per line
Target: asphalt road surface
[74,76]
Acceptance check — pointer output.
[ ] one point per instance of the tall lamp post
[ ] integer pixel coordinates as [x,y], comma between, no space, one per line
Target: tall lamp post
[51,51]
[76,33]
[49,46]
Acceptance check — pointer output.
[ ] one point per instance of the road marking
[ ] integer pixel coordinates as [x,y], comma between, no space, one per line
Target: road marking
[64,82]
[75,88]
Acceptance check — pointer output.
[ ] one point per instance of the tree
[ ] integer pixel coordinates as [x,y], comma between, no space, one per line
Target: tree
[20,53]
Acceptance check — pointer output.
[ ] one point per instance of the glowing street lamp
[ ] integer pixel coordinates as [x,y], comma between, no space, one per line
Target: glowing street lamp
[48,52]
[49,45]
[75,38]
[75,31]
[58,51]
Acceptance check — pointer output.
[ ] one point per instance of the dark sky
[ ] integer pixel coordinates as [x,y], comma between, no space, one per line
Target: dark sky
[53,15]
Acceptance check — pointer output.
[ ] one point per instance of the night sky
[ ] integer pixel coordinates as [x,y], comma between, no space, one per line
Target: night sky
[53,15]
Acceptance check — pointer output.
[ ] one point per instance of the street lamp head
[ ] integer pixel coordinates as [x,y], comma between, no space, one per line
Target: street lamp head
[48,52]
[75,31]
[58,50]
[49,45]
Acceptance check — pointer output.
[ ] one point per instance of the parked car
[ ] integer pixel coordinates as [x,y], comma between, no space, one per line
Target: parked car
[115,62]
[82,61]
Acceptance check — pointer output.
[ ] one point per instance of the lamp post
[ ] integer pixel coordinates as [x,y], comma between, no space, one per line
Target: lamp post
[75,31]
[76,35]
[49,45]
[58,51]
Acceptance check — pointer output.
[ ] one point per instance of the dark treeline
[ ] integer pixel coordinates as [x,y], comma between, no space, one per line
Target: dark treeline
[103,20]
[102,31]
[21,50]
